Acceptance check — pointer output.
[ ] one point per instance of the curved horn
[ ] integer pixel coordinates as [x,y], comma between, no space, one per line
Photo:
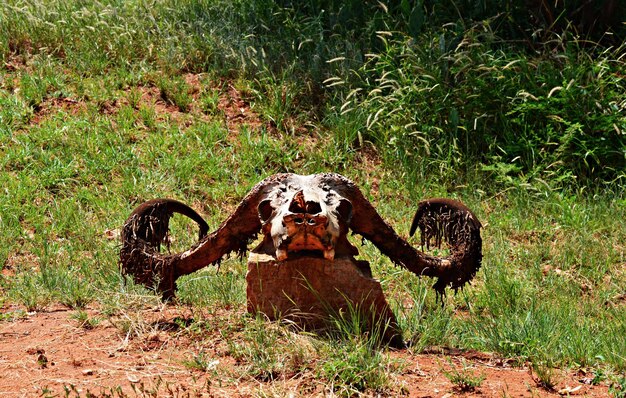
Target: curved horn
[150,221]
[147,227]
[441,219]
[460,228]
[143,233]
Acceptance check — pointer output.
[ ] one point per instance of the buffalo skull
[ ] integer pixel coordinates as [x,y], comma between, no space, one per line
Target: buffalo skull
[302,215]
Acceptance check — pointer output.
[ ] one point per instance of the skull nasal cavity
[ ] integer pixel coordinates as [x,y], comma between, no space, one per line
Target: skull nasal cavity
[313,207]
[299,205]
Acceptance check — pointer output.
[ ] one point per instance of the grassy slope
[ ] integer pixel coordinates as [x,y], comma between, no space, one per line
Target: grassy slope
[79,149]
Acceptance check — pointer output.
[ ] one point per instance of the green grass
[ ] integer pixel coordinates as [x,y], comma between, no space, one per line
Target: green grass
[464,380]
[454,91]
[84,320]
[97,115]
[355,367]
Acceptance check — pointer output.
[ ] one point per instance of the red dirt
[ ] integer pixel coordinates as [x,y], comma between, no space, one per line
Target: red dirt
[234,107]
[52,105]
[50,352]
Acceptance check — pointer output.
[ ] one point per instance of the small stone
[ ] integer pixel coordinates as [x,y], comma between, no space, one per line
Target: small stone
[87,372]
[42,361]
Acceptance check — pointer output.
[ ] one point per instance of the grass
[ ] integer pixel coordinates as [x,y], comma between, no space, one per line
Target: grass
[130,109]
[84,320]
[464,380]
[357,367]
[618,387]
[451,106]
[270,351]
[544,375]
[201,361]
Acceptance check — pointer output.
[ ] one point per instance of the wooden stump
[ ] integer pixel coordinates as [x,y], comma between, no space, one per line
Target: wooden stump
[309,291]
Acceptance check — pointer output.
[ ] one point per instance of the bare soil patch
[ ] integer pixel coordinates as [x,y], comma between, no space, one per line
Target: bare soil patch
[53,105]
[48,353]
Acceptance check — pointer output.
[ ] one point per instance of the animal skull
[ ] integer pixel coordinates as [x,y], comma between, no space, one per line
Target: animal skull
[302,215]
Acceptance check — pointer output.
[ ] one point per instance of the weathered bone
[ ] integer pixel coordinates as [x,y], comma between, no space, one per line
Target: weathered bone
[302,214]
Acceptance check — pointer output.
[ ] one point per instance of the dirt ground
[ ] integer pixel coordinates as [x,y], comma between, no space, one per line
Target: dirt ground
[50,354]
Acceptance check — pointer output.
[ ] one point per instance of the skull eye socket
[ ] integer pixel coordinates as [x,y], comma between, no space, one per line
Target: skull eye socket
[345,210]
[265,210]
[298,220]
